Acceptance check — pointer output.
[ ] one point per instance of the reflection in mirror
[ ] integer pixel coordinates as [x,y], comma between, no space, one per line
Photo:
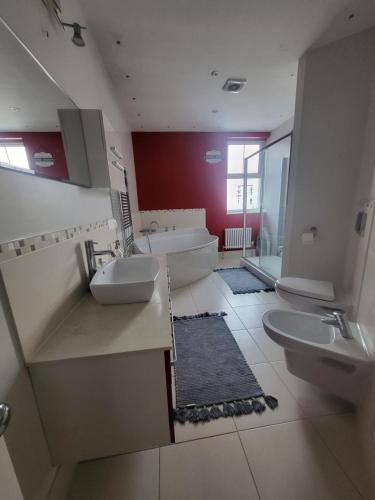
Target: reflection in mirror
[30,133]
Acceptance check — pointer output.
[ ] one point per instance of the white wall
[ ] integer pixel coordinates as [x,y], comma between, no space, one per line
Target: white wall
[366,306]
[283,129]
[333,91]
[30,205]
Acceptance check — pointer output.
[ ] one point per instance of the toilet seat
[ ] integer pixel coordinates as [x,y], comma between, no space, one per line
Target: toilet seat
[313,289]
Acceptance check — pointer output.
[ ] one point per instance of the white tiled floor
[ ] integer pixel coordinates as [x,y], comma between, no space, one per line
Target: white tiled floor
[300,451]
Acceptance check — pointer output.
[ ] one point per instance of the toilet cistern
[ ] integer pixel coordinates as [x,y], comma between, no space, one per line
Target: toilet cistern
[338,319]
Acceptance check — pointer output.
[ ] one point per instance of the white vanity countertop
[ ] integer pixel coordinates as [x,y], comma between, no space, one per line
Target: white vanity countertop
[92,329]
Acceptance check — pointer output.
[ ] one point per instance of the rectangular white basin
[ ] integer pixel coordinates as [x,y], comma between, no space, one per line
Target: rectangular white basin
[124,281]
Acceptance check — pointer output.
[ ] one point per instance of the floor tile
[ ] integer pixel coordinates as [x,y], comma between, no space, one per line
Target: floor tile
[269,298]
[189,431]
[207,469]
[356,454]
[290,462]
[210,299]
[287,410]
[251,316]
[313,400]
[182,301]
[250,350]
[134,476]
[243,299]
[270,349]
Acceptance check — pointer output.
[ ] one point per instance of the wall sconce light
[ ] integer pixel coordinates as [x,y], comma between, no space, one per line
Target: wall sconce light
[77,35]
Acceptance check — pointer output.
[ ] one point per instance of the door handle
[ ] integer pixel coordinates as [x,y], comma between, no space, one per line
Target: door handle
[4,417]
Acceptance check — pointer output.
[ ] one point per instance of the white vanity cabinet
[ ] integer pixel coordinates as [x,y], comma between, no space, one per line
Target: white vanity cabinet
[90,141]
[107,405]
[102,379]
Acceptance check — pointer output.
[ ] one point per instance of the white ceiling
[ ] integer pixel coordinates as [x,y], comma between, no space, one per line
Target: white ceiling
[24,85]
[170,47]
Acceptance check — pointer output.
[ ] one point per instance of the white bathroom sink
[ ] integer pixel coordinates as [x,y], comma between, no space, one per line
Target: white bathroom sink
[124,281]
[296,325]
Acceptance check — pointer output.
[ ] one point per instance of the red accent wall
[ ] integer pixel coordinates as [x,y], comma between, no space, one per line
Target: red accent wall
[172,173]
[47,142]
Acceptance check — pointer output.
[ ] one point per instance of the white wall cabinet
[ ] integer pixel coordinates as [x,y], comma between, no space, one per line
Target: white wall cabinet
[92,146]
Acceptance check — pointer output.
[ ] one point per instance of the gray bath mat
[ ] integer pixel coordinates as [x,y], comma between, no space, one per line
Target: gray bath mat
[240,280]
[212,377]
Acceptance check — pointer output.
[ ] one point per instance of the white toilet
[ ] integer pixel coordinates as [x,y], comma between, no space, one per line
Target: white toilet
[314,350]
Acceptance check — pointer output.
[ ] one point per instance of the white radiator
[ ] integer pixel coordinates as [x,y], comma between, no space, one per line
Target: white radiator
[234,237]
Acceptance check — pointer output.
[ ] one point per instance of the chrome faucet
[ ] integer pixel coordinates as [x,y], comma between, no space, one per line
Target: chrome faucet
[149,230]
[91,253]
[337,318]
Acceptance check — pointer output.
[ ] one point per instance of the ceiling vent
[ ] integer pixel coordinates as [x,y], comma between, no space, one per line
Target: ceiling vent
[234,85]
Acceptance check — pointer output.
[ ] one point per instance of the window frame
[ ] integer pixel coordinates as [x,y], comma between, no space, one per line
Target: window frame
[9,143]
[257,175]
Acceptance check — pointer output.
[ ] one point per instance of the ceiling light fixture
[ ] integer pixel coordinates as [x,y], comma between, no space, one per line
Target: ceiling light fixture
[14,108]
[77,35]
[234,85]
[214,73]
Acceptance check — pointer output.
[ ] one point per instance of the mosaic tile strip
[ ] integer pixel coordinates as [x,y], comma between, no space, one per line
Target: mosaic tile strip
[172,210]
[16,248]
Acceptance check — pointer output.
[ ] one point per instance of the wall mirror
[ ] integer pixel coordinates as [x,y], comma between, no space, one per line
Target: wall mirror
[31,140]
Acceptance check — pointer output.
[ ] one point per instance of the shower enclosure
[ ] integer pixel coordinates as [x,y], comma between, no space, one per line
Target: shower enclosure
[273,161]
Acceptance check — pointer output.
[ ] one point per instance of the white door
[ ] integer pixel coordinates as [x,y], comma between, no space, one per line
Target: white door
[9,486]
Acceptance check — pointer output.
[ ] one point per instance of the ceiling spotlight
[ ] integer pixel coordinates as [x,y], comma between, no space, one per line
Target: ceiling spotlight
[234,85]
[214,73]
[77,35]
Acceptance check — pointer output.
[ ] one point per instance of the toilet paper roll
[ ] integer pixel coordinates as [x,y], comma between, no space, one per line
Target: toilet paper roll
[308,238]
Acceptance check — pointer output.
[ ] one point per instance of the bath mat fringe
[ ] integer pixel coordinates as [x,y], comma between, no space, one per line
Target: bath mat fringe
[251,288]
[199,316]
[236,408]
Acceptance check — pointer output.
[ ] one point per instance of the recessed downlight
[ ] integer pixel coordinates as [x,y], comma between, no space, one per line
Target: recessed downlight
[214,73]
[14,108]
[234,85]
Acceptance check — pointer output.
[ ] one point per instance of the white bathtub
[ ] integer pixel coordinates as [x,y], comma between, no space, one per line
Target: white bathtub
[191,253]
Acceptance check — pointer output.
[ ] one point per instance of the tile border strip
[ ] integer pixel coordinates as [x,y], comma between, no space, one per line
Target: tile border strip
[17,248]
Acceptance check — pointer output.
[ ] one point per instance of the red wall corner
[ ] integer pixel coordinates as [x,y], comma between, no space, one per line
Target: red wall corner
[171,173]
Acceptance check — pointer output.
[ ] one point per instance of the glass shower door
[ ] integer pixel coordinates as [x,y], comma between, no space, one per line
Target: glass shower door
[274,161]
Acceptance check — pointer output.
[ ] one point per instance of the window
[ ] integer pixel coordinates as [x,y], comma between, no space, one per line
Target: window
[13,154]
[236,152]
